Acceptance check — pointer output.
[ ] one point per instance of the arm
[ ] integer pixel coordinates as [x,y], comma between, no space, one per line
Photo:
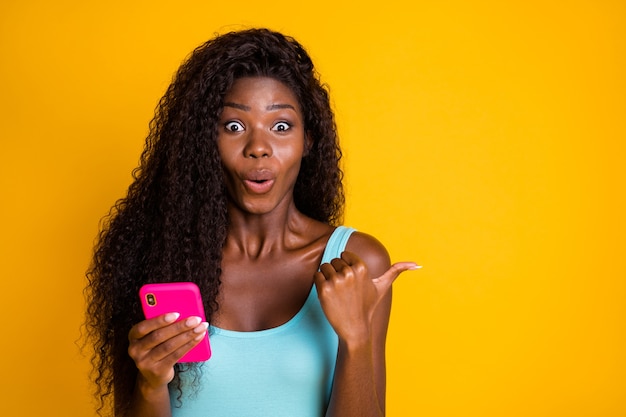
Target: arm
[155,345]
[355,293]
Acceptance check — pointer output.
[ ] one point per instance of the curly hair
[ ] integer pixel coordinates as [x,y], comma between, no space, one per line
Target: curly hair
[172,224]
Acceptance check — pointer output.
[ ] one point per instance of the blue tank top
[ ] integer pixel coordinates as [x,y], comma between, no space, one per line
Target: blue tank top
[285,371]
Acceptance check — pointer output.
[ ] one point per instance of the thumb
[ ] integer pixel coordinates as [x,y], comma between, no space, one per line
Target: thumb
[384,281]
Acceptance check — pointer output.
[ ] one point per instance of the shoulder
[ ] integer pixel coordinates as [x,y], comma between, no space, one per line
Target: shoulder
[373,253]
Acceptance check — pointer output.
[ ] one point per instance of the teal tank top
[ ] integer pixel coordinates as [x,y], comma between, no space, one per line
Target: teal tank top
[285,371]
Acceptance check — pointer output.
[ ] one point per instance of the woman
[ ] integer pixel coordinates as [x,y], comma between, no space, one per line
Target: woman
[239,190]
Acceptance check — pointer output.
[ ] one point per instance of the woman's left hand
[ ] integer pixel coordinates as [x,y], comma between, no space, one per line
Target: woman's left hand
[349,296]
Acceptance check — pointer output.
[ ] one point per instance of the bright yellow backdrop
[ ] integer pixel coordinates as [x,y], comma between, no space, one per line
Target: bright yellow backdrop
[483,139]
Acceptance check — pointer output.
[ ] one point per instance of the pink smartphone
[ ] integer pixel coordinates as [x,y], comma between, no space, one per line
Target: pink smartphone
[177,297]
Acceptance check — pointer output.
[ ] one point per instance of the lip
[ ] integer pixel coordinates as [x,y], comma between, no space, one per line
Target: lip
[259,181]
[256,187]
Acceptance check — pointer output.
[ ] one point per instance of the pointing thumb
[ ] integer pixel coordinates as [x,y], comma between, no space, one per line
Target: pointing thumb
[386,279]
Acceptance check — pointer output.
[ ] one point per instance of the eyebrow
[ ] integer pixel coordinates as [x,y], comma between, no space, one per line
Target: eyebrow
[268,108]
[237,106]
[279,106]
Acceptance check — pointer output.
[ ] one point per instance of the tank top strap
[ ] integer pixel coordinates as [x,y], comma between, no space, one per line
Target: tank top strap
[337,243]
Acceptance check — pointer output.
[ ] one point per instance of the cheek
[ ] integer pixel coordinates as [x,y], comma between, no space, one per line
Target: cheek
[226,151]
[292,160]
[225,154]
[222,148]
[291,151]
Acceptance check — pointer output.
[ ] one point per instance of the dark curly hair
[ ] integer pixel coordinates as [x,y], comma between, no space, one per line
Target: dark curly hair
[172,224]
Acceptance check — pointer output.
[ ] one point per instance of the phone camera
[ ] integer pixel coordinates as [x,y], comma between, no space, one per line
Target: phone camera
[151,299]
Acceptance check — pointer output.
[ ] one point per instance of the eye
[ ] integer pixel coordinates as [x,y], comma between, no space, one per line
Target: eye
[233,127]
[281,127]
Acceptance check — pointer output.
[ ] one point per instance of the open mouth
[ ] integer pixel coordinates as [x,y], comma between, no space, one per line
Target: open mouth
[258,186]
[259,181]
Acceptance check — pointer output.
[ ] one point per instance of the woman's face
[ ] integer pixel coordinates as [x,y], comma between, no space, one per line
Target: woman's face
[261,141]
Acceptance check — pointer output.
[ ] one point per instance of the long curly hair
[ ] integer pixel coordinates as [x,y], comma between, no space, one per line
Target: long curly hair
[173,223]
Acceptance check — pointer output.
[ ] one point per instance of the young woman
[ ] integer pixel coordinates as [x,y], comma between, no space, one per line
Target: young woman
[239,190]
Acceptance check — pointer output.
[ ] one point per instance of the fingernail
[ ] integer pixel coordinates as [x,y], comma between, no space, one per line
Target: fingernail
[171,317]
[414,267]
[193,321]
[201,328]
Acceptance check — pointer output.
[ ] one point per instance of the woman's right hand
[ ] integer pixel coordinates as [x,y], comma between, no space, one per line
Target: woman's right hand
[157,344]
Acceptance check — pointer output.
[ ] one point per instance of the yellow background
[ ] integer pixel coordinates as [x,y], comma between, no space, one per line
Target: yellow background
[483,139]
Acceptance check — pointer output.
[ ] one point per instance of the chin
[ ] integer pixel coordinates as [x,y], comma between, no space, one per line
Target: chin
[257,207]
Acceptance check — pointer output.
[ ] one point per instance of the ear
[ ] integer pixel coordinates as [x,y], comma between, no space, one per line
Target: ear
[308,143]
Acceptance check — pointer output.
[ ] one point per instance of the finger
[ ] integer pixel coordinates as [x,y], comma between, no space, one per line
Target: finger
[320,281]
[160,336]
[385,280]
[351,258]
[175,348]
[355,262]
[148,326]
[168,344]
[341,266]
[327,270]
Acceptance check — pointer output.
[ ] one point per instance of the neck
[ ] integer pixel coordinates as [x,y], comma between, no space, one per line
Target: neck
[258,235]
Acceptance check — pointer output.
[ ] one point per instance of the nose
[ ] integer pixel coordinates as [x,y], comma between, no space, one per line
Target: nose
[258,145]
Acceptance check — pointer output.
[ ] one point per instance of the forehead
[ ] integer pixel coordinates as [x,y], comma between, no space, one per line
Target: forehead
[261,90]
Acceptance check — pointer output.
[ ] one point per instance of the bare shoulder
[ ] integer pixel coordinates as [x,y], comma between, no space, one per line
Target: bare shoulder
[371,251]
